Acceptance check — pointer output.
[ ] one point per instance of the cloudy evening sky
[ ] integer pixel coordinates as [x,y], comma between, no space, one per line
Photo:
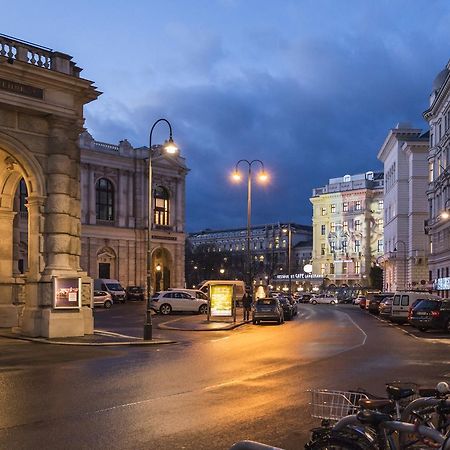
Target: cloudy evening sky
[311,87]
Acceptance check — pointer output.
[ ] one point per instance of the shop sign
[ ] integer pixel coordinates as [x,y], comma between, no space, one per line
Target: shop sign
[66,293]
[442,284]
[299,276]
[221,300]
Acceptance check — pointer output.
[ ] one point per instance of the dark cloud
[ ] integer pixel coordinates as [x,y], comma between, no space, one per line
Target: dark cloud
[315,105]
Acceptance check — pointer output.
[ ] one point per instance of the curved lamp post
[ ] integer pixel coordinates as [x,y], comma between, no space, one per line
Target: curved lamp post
[404,259]
[262,176]
[169,147]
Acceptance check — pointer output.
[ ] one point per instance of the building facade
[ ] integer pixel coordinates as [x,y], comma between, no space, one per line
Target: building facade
[438,194]
[348,228]
[269,245]
[404,154]
[114,213]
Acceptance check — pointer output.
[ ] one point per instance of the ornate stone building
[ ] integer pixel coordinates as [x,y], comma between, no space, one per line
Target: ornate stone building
[348,228]
[405,260]
[438,223]
[114,213]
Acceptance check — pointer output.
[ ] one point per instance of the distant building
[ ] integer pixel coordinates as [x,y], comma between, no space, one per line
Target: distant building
[405,261]
[438,225]
[114,213]
[268,245]
[348,228]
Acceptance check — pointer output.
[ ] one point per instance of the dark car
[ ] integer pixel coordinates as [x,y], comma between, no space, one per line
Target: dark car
[375,300]
[431,314]
[268,309]
[288,308]
[305,298]
[135,293]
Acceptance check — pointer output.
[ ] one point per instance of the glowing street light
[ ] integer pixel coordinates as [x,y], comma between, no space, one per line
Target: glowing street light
[262,177]
[169,147]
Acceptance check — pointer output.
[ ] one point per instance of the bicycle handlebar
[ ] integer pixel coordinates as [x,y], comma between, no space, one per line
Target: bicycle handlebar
[421,430]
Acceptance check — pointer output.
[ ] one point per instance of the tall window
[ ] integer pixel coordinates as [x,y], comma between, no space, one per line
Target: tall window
[322,230]
[333,208]
[345,226]
[322,269]
[380,223]
[23,196]
[323,211]
[105,199]
[380,246]
[357,267]
[358,205]
[161,201]
[332,227]
[345,206]
[357,246]
[322,249]
[380,205]
[357,225]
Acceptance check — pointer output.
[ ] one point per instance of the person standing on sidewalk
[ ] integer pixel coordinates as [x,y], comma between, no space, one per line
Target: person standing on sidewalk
[247,305]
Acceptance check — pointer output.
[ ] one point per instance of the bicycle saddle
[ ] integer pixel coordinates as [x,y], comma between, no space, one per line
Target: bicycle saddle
[397,393]
[372,417]
[374,404]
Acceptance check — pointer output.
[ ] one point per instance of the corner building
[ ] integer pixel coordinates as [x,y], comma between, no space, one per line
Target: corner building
[114,213]
[348,228]
[438,194]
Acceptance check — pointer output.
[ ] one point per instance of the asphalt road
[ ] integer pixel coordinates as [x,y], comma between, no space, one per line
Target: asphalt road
[209,390]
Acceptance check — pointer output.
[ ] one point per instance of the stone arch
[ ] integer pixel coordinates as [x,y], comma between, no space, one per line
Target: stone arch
[162,269]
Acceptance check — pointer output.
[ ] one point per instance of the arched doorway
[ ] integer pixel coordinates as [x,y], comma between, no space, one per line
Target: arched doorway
[162,264]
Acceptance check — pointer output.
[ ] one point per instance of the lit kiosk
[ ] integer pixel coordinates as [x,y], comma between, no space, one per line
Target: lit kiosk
[41,117]
[221,302]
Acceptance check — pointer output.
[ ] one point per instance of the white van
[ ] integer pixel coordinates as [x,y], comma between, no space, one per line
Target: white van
[112,286]
[403,300]
[239,287]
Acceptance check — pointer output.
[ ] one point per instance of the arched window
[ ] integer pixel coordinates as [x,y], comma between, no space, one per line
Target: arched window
[23,196]
[105,199]
[161,208]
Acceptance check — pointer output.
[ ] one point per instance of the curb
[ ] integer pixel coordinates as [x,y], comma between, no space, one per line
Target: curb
[163,326]
[138,342]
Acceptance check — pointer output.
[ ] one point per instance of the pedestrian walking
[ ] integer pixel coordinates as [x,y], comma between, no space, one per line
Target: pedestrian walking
[247,305]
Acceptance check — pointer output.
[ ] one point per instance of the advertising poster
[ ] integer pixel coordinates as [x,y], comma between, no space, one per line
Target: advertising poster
[221,300]
[66,293]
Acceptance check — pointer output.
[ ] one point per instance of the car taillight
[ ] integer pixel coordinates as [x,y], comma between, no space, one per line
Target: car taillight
[435,313]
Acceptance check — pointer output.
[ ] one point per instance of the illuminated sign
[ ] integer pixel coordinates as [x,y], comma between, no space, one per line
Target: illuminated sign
[221,300]
[442,284]
[299,276]
[66,293]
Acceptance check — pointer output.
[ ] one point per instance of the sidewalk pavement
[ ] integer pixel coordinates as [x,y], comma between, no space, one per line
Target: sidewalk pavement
[109,338]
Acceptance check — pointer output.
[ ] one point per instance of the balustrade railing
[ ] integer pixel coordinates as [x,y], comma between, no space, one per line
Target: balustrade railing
[17,50]
[105,146]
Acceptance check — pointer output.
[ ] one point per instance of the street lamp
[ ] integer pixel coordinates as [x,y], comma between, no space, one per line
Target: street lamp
[169,147]
[263,177]
[288,230]
[446,214]
[404,260]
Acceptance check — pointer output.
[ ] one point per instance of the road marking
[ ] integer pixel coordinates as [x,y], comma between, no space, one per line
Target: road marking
[110,333]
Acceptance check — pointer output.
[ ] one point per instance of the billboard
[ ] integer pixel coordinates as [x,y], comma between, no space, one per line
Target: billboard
[66,293]
[221,300]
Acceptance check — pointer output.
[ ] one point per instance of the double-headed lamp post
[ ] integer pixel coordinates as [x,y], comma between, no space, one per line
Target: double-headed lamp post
[288,230]
[262,176]
[169,147]
[404,259]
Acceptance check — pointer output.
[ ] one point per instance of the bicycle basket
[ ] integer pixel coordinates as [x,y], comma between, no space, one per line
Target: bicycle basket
[334,405]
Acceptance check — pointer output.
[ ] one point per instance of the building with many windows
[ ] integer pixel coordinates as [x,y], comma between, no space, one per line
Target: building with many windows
[405,261]
[114,213]
[438,224]
[348,228]
[269,252]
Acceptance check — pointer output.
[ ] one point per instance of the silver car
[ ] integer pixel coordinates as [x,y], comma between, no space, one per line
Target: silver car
[267,309]
[324,298]
[103,298]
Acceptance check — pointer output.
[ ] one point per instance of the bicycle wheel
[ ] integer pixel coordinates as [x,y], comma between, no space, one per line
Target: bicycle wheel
[337,443]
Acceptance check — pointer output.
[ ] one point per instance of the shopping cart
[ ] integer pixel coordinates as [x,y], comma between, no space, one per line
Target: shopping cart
[334,405]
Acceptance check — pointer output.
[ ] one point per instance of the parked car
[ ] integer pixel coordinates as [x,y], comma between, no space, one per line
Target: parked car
[112,286]
[324,298]
[165,302]
[288,308]
[135,293]
[373,305]
[268,309]
[357,300]
[385,307]
[403,300]
[103,298]
[195,292]
[431,314]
